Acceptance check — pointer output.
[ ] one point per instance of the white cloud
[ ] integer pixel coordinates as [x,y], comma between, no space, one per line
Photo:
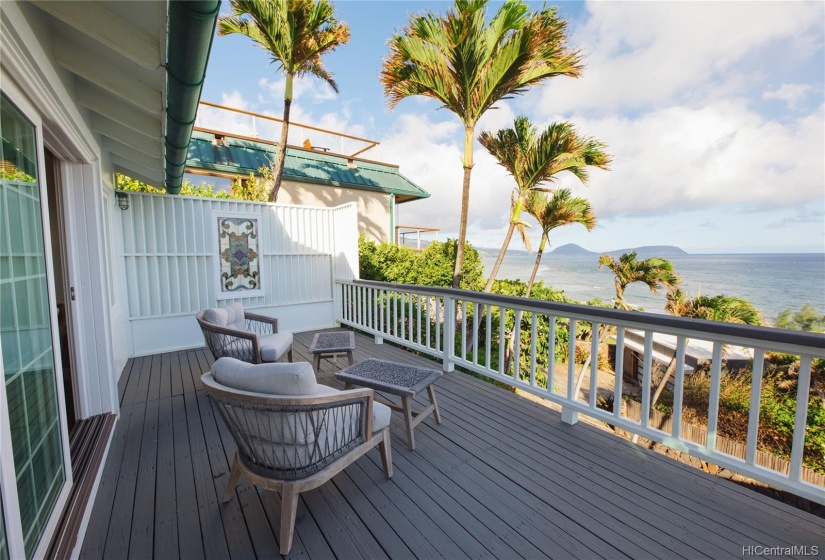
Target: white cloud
[791,94]
[680,158]
[644,54]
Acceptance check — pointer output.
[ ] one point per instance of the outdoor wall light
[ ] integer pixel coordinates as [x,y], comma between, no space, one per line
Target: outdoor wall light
[122,200]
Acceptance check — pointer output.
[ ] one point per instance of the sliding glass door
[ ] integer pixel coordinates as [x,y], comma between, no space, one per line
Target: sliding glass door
[26,339]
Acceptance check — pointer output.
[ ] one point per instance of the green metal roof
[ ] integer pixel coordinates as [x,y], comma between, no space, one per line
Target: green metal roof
[242,157]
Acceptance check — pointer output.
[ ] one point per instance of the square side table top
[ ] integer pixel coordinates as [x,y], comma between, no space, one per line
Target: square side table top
[392,377]
[329,342]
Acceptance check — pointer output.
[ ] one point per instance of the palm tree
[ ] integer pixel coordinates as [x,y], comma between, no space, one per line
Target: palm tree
[468,64]
[729,309]
[296,34]
[656,272]
[533,159]
[558,210]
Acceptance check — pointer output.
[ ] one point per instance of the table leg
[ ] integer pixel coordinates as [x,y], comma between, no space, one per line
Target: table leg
[347,386]
[349,357]
[436,413]
[317,363]
[406,404]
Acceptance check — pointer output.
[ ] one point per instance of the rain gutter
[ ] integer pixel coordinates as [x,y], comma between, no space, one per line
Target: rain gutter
[191,30]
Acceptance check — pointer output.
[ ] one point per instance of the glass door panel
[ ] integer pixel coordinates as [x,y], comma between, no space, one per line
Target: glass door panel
[25,329]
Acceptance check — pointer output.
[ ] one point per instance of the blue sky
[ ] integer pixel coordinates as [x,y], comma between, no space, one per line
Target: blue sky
[714,112]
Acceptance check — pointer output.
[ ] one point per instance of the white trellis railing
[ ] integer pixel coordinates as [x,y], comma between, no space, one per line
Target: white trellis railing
[464,329]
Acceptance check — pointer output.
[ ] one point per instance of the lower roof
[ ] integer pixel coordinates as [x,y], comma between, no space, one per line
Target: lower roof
[235,156]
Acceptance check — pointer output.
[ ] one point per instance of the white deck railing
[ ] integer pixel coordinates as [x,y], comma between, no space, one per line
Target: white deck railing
[440,322]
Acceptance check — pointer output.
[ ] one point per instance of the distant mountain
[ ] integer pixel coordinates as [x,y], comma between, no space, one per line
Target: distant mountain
[644,252]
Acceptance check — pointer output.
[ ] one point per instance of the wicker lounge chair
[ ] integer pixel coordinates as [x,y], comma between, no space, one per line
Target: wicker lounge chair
[293,435]
[249,337]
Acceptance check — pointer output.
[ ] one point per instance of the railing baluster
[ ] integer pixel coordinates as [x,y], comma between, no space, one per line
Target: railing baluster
[418,301]
[427,314]
[475,333]
[647,372]
[440,311]
[594,364]
[403,317]
[802,390]
[448,345]
[551,353]
[533,336]
[618,373]
[516,345]
[463,330]
[375,310]
[755,404]
[488,335]
[410,311]
[713,400]
[679,386]
[501,336]
[571,360]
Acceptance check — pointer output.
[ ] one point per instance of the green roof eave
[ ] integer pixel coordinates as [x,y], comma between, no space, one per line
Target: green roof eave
[243,156]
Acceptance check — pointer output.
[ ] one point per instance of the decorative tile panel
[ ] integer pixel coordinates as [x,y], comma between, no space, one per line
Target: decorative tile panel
[239,254]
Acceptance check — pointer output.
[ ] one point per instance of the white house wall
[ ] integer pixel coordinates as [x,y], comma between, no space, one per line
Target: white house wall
[170,257]
[27,61]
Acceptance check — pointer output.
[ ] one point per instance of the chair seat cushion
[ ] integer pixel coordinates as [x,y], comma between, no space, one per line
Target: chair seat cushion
[273,346]
[381,413]
[274,379]
[231,316]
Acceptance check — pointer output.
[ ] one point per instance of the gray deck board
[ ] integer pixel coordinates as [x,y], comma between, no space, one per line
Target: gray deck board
[502,477]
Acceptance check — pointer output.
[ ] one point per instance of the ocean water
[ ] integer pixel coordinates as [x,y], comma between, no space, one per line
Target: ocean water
[771,282]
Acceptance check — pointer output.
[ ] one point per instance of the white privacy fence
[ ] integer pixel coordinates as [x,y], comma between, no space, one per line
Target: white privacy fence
[185,254]
[469,330]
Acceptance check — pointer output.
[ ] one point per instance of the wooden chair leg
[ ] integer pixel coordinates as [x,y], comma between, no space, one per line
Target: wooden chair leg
[436,413]
[234,477]
[289,507]
[406,405]
[386,452]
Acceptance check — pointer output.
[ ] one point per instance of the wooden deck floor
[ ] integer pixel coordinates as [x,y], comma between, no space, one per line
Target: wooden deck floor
[502,477]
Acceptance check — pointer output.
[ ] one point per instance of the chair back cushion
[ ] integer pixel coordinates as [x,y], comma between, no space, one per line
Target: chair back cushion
[293,379]
[230,316]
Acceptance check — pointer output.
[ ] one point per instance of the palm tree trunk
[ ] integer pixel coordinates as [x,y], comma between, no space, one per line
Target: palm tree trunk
[469,138]
[280,160]
[536,266]
[511,337]
[497,265]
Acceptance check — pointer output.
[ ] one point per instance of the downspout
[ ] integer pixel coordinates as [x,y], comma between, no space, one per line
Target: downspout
[393,236]
[191,29]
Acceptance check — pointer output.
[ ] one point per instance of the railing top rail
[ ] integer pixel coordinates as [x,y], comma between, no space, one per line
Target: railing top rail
[766,335]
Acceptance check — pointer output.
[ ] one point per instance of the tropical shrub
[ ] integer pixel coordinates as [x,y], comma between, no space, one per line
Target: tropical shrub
[204,190]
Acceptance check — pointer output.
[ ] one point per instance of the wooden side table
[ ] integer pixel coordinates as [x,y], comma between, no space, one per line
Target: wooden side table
[330,344]
[396,379]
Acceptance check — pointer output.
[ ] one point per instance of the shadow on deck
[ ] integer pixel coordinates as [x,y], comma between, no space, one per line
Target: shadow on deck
[501,477]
